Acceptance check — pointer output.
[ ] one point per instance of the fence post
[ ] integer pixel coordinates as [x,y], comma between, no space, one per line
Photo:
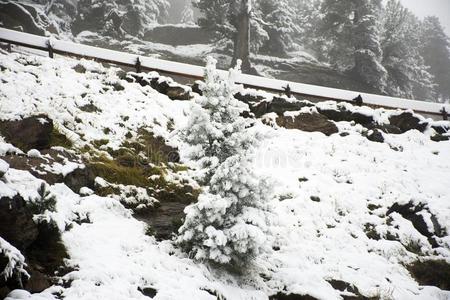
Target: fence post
[358,100]
[50,49]
[444,114]
[138,65]
[288,91]
[9,48]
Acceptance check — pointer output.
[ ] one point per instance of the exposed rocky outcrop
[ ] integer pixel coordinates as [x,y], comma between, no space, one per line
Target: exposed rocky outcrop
[29,133]
[46,167]
[431,272]
[289,296]
[167,87]
[40,243]
[346,115]
[407,121]
[416,214]
[310,122]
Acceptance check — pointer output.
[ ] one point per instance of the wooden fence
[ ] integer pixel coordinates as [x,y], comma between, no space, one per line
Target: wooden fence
[141,63]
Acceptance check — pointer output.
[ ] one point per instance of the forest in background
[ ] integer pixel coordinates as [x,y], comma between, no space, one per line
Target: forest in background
[380,44]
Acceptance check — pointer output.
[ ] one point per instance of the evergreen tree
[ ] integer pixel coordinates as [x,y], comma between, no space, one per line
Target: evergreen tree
[435,51]
[278,19]
[407,74]
[266,25]
[215,123]
[187,15]
[228,224]
[368,53]
[115,18]
[352,28]
[230,19]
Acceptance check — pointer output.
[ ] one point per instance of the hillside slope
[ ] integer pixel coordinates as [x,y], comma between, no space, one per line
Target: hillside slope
[91,194]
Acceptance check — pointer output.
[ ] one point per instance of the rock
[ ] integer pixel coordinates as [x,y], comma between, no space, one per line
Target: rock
[278,106]
[248,98]
[287,296]
[148,291]
[16,222]
[440,138]
[79,68]
[441,128]
[375,136]
[40,168]
[407,121]
[345,115]
[171,89]
[178,93]
[415,214]
[29,133]
[79,178]
[387,128]
[308,122]
[431,273]
[342,286]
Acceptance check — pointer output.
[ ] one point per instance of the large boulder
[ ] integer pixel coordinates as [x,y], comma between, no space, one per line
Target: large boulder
[310,122]
[408,121]
[29,133]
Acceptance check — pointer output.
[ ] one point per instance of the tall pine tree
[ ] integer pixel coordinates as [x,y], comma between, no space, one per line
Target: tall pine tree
[408,76]
[352,28]
[435,51]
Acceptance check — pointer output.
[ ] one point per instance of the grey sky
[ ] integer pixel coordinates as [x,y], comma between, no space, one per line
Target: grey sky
[423,8]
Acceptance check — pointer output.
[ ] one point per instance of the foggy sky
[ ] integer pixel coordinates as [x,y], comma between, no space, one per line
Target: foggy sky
[423,8]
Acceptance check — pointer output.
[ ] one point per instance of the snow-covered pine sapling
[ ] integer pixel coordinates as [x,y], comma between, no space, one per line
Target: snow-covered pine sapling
[229,223]
[215,126]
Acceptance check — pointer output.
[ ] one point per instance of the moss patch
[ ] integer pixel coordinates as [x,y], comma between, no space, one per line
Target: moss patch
[57,139]
[113,172]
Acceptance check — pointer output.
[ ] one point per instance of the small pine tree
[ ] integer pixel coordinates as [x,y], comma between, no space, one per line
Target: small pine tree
[44,202]
[215,123]
[228,224]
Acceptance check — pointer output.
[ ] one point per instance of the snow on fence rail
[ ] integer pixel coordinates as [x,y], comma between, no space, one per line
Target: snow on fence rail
[140,62]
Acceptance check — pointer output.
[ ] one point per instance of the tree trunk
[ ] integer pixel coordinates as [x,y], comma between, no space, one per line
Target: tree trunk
[242,38]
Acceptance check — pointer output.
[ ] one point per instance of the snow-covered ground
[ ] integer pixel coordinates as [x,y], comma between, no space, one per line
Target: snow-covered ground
[330,192]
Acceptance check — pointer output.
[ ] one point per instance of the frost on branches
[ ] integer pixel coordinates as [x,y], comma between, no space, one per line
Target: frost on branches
[15,265]
[229,223]
[215,128]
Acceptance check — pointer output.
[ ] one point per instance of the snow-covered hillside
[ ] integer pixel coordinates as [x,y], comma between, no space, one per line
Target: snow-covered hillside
[359,213]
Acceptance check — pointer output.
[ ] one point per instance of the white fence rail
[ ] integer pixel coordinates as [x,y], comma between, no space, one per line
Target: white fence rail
[192,71]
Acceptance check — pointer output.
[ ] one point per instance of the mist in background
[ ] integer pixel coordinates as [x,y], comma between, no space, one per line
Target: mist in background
[423,8]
